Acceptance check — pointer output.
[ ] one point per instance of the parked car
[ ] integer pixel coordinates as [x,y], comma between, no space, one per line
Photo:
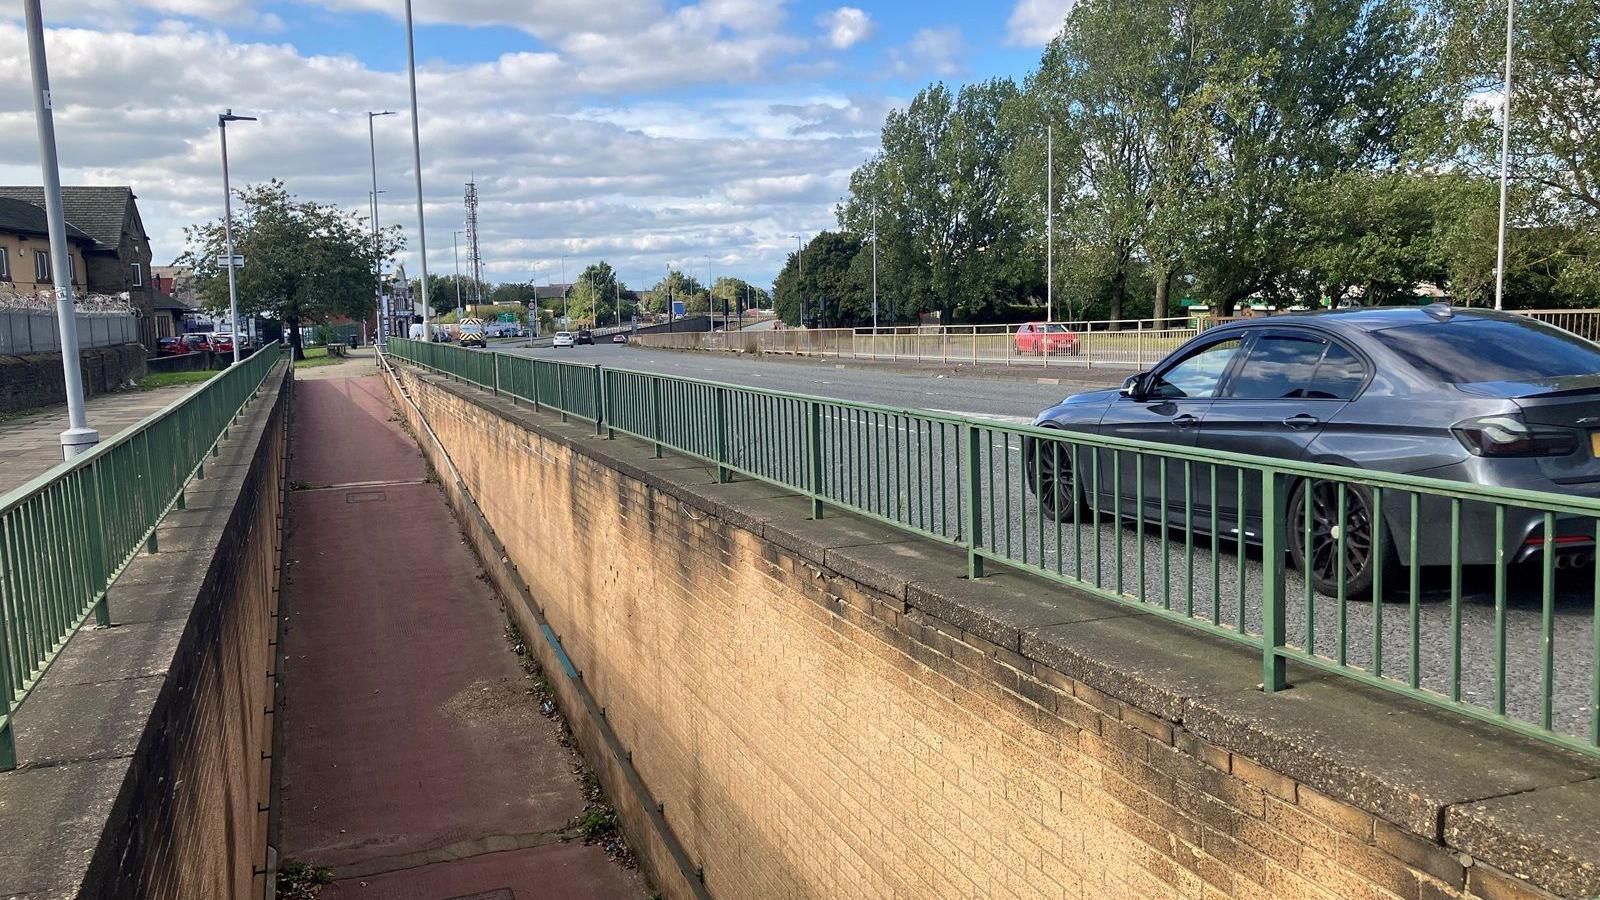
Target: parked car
[171,346]
[1460,394]
[562,339]
[223,343]
[585,336]
[620,337]
[1040,339]
[198,342]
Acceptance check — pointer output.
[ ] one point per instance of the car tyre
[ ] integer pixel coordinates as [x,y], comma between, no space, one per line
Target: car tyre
[1368,545]
[1050,476]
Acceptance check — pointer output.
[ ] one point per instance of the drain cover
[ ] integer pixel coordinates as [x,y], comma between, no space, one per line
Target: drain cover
[368,497]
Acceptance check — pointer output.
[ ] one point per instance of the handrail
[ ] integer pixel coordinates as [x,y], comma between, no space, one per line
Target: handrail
[67,534]
[1038,499]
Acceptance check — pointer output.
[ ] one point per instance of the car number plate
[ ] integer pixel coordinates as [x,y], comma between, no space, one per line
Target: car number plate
[1594,442]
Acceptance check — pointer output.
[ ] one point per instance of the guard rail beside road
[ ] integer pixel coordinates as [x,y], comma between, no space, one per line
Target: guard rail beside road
[1202,538]
[66,535]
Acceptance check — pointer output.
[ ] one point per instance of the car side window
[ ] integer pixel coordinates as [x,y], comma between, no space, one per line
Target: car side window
[1279,367]
[1339,375]
[1197,375]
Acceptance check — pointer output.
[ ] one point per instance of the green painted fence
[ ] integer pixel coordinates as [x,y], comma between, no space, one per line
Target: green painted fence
[1158,527]
[68,534]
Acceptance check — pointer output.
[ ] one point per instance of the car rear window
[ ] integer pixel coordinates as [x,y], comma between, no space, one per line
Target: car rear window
[1470,350]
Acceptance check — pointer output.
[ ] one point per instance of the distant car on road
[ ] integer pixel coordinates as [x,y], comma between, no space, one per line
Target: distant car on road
[585,336]
[1460,394]
[1041,339]
[562,339]
[620,337]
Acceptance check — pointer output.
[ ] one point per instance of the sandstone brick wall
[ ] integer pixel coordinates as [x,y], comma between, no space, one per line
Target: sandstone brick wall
[35,379]
[811,737]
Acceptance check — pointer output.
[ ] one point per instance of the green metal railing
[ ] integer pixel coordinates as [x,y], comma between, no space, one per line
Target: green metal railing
[66,535]
[1512,642]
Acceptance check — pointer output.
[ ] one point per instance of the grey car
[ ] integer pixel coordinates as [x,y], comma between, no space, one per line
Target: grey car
[1460,394]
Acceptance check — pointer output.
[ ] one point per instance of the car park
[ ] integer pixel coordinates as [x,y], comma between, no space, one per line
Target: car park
[1459,394]
[562,339]
[585,336]
[1045,339]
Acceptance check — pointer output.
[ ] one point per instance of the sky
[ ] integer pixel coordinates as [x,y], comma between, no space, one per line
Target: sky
[701,135]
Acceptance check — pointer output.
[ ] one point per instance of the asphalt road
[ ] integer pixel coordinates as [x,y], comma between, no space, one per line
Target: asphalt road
[1007,398]
[1019,531]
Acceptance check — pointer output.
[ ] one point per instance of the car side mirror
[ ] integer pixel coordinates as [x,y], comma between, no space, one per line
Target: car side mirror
[1133,388]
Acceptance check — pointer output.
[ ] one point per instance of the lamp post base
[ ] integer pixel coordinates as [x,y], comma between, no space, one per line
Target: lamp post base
[78,440]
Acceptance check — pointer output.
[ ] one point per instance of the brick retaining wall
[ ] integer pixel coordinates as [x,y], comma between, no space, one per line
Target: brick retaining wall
[817,723]
[36,379]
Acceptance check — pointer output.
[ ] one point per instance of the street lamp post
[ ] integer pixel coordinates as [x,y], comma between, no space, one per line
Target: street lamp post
[416,159]
[1505,154]
[1050,223]
[805,305]
[78,437]
[227,225]
[455,250]
[566,319]
[874,270]
[377,239]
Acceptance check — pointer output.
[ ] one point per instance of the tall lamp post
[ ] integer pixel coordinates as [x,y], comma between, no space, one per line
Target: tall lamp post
[1505,154]
[416,159]
[455,250]
[874,270]
[78,437]
[377,239]
[805,305]
[227,225]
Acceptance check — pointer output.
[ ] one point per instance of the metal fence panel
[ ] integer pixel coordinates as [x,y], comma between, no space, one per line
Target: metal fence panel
[1203,538]
[66,535]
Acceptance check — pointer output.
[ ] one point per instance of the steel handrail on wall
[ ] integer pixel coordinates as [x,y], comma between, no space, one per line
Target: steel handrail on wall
[975,484]
[66,535]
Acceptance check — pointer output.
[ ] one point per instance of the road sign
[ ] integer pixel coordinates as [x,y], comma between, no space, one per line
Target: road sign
[238,261]
[678,308]
[507,318]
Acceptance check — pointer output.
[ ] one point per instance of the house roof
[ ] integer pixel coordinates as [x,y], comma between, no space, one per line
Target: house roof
[19,217]
[99,210]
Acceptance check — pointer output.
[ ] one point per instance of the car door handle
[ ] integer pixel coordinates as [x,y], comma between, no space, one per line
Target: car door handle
[1186,421]
[1301,420]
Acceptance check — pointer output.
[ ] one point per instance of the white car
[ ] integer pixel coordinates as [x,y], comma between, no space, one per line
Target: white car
[620,337]
[562,339]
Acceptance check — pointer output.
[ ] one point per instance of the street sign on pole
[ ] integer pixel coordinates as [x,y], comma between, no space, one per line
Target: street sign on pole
[238,261]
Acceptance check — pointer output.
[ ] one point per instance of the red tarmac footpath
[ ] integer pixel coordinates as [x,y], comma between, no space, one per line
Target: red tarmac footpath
[415,763]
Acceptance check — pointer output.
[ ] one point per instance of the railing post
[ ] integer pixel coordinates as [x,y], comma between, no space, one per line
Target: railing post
[494,360]
[814,456]
[974,504]
[605,403]
[655,412]
[533,374]
[561,390]
[599,402]
[719,418]
[1274,542]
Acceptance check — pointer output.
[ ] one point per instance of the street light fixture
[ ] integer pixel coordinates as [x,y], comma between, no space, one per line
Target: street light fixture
[377,241]
[227,225]
[78,437]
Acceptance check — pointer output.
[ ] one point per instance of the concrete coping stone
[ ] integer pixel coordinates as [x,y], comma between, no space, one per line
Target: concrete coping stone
[1523,806]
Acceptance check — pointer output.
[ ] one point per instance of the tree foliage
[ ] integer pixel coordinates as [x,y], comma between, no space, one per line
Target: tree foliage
[305,262]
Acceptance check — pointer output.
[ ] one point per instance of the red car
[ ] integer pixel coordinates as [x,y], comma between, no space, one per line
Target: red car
[1038,339]
[197,343]
[171,346]
[222,343]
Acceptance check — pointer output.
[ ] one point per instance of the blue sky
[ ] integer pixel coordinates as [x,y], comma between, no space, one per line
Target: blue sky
[646,132]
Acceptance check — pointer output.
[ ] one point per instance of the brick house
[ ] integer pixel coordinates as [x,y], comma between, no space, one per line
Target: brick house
[119,259]
[25,264]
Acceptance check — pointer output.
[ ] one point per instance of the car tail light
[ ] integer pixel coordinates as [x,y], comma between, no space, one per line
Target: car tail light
[1509,435]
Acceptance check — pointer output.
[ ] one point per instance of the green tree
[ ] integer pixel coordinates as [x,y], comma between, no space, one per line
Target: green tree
[680,287]
[825,296]
[305,262]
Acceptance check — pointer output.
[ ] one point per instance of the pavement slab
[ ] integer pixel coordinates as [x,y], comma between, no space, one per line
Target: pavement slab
[30,443]
[416,762]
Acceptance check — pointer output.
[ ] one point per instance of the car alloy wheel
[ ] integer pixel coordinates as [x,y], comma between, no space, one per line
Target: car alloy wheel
[1365,545]
[1051,476]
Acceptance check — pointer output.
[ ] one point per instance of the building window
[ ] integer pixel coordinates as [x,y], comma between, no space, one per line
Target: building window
[41,266]
[5,264]
[138,275]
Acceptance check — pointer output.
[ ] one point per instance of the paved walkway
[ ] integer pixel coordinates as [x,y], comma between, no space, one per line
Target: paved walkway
[30,444]
[415,761]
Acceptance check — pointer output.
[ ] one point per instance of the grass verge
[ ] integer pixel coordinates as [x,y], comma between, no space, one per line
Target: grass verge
[172,379]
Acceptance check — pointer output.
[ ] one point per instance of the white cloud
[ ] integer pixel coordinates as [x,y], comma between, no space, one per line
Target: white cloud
[642,182]
[934,51]
[1034,22]
[847,26]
